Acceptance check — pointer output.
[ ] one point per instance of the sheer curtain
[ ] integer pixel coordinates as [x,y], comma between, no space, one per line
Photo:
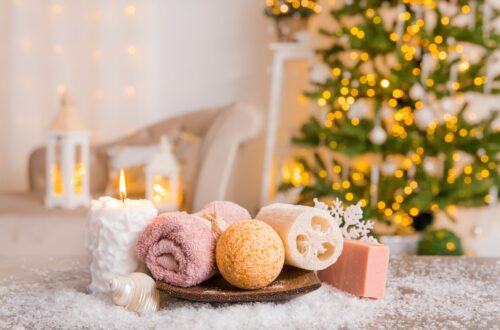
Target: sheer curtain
[127,63]
[92,49]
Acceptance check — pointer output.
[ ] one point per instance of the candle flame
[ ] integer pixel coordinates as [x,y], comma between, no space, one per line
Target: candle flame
[123,188]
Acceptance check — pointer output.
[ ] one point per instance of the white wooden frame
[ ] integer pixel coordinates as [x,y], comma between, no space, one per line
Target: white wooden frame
[283,52]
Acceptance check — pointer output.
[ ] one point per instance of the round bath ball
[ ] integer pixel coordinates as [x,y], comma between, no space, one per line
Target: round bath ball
[250,254]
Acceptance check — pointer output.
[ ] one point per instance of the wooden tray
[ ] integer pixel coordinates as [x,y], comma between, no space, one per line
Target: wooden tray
[292,282]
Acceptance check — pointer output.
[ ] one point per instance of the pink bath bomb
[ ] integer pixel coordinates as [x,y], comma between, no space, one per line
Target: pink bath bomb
[230,212]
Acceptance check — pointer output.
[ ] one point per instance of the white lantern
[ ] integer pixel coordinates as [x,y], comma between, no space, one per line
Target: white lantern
[162,179]
[67,159]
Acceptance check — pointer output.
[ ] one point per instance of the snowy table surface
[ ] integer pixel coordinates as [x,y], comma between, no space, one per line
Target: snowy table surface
[422,292]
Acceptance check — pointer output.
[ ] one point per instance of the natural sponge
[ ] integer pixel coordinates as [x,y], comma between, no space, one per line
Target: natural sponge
[250,254]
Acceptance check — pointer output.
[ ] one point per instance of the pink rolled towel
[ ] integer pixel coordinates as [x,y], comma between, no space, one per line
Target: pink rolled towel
[179,248]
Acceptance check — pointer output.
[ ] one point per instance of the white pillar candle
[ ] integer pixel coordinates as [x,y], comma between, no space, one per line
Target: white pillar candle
[114,227]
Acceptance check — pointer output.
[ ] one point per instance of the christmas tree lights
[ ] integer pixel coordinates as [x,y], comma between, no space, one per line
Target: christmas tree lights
[394,131]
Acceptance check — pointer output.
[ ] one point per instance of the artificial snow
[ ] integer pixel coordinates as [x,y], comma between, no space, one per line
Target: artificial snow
[421,293]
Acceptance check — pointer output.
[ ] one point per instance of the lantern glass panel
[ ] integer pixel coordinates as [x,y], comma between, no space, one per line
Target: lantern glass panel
[56,172]
[162,189]
[78,171]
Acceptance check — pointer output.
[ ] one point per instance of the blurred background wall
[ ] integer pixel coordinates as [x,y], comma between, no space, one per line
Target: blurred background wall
[128,64]
[132,63]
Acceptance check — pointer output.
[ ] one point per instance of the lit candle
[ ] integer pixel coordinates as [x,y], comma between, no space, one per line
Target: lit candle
[113,230]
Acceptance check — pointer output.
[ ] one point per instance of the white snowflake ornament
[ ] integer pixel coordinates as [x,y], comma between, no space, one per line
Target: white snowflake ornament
[350,220]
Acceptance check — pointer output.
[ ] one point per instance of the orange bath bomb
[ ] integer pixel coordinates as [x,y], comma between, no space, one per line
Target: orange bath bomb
[250,254]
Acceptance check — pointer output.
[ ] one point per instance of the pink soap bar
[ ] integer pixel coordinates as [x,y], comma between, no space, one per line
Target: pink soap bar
[360,270]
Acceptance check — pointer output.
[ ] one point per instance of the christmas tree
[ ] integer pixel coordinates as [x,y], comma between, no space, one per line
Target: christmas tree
[394,129]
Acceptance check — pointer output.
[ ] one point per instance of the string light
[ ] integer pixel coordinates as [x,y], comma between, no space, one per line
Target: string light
[405,16]
[479,81]
[487,199]
[57,49]
[442,55]
[96,54]
[132,50]
[129,91]
[398,93]
[356,176]
[60,89]
[56,8]
[463,66]
[25,43]
[130,10]
[448,138]
[414,211]
[336,72]
[99,94]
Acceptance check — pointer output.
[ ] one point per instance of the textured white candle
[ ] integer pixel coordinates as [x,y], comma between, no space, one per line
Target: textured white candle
[114,227]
